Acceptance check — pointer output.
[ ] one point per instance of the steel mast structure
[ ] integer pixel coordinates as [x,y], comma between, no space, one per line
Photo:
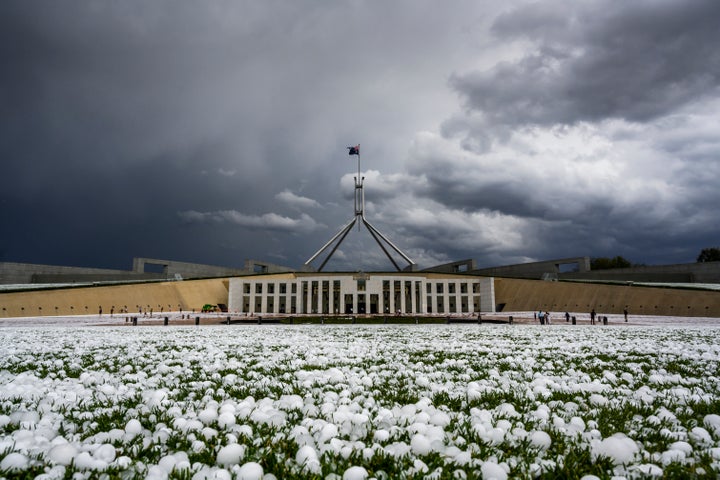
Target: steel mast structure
[359,218]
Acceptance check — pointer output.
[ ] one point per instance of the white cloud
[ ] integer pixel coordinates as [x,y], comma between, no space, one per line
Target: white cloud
[268,221]
[296,201]
[226,173]
[378,186]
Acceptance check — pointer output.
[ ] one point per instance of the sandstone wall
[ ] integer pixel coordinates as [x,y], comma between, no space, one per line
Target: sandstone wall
[168,296]
[523,295]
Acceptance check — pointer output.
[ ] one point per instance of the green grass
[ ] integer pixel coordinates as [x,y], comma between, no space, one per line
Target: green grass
[383,368]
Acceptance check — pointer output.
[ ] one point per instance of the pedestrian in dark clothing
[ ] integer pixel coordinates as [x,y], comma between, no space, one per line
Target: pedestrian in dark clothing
[592,317]
[567,317]
[625,313]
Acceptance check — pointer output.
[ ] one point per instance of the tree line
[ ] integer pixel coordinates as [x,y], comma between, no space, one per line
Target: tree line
[711,254]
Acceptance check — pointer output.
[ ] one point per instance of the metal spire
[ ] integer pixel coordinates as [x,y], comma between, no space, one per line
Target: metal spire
[359,218]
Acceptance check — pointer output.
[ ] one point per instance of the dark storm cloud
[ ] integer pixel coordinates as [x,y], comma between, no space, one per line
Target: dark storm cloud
[118,115]
[596,136]
[596,132]
[596,60]
[216,132]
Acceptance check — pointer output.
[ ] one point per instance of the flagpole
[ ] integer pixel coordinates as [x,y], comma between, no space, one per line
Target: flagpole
[359,185]
[339,237]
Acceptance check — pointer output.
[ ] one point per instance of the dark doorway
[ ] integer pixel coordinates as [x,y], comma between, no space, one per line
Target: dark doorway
[361,303]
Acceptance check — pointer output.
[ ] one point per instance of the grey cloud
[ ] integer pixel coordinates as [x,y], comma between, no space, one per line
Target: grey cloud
[178,106]
[636,61]
[382,186]
[296,201]
[575,190]
[268,221]
[569,174]
[116,116]
[644,77]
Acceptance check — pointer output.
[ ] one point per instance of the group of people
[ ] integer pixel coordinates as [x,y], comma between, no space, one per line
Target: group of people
[544,317]
[593,315]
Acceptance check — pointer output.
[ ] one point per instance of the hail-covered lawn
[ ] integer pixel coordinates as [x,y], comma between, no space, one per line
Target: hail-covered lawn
[353,402]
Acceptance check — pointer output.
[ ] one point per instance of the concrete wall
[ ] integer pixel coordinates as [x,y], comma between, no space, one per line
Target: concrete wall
[85,278]
[256,266]
[12,273]
[24,273]
[535,270]
[170,296]
[170,268]
[707,272]
[461,266]
[524,295]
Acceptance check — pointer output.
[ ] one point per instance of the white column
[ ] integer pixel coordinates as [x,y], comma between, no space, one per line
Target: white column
[487,294]
[413,304]
[446,297]
[433,297]
[419,296]
[308,301]
[264,297]
[251,307]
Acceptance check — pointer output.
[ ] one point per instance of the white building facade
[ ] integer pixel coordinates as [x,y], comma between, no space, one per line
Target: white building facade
[361,293]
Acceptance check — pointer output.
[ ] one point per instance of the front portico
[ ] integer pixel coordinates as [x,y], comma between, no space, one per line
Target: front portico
[361,293]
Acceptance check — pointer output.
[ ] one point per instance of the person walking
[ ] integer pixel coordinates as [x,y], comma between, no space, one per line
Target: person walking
[592,317]
[547,318]
[625,313]
[567,317]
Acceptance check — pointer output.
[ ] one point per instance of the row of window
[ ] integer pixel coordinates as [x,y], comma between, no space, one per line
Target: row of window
[349,304]
[282,287]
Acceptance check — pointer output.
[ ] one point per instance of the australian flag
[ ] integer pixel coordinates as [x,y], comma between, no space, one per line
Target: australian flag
[354,150]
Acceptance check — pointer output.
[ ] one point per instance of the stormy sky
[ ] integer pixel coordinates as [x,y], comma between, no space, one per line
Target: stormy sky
[500,130]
